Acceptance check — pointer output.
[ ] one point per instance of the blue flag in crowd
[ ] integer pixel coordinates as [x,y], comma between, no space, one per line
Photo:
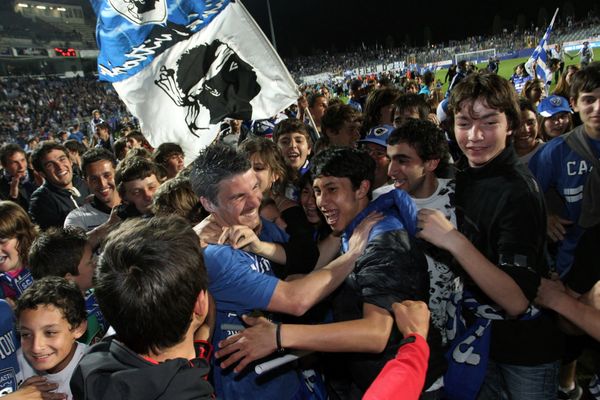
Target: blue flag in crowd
[182,66]
[540,56]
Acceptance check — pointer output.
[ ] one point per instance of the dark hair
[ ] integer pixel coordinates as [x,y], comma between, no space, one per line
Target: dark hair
[57,252]
[291,125]
[15,223]
[525,104]
[215,163]
[41,152]
[140,152]
[103,125]
[164,151]
[149,277]
[494,90]
[427,139]
[269,154]
[312,99]
[58,292]
[7,150]
[176,196]
[135,168]
[376,100]
[585,80]
[119,146]
[336,115]
[409,101]
[94,155]
[344,162]
[74,146]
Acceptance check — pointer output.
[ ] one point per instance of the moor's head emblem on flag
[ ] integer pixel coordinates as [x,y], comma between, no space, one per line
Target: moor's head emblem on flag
[141,12]
[212,82]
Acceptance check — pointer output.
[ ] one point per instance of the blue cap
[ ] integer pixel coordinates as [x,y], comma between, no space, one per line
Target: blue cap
[378,135]
[553,105]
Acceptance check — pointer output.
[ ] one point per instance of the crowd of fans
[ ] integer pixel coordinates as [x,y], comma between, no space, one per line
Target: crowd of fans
[404,243]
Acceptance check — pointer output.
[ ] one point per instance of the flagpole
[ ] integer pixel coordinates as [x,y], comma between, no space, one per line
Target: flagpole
[261,33]
[271,25]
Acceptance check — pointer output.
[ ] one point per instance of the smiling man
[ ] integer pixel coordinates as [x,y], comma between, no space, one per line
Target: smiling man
[15,184]
[242,282]
[61,192]
[98,166]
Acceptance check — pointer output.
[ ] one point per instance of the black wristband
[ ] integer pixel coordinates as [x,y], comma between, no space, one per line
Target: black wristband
[278,337]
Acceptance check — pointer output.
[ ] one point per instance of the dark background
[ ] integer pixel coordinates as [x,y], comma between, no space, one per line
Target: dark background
[306,27]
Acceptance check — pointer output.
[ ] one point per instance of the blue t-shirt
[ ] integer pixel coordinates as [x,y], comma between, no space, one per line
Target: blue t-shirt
[241,283]
[557,166]
[10,374]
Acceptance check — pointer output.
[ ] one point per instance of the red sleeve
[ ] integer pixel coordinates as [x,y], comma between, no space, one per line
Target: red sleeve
[403,377]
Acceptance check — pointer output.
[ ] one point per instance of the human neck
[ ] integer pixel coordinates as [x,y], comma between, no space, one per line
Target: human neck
[427,189]
[183,349]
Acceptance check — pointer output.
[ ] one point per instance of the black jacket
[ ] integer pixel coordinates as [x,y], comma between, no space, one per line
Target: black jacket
[26,189]
[49,205]
[110,371]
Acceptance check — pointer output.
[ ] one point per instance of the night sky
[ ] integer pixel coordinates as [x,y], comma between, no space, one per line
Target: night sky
[303,27]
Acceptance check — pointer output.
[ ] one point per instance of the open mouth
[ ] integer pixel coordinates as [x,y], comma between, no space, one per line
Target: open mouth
[331,216]
[399,183]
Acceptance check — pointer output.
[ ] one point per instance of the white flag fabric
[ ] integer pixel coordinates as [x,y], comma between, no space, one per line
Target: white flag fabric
[182,66]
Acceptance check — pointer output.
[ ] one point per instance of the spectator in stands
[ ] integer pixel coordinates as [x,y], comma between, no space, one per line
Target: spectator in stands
[15,183]
[412,87]
[96,119]
[61,192]
[76,134]
[171,157]
[341,125]
[375,144]
[99,170]
[136,139]
[564,83]
[428,83]
[120,148]
[555,117]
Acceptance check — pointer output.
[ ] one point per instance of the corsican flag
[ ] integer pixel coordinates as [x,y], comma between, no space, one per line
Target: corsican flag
[182,66]
[540,56]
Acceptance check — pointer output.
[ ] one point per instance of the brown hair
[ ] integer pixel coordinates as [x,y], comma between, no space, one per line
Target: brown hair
[15,223]
[269,153]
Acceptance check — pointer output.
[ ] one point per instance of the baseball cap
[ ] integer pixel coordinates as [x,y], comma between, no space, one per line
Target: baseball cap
[552,105]
[378,135]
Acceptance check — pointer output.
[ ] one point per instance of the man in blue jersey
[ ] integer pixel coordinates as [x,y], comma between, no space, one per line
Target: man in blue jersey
[558,166]
[242,282]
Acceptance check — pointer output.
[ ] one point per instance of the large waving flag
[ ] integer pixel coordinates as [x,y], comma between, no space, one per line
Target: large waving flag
[540,56]
[182,66]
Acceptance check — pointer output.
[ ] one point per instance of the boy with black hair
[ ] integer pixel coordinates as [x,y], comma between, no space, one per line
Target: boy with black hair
[341,125]
[65,252]
[294,142]
[137,180]
[15,184]
[410,106]
[151,286]
[513,347]
[51,317]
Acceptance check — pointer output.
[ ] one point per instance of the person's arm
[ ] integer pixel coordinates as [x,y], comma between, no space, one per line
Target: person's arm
[366,335]
[552,295]
[329,248]
[403,377]
[493,281]
[36,387]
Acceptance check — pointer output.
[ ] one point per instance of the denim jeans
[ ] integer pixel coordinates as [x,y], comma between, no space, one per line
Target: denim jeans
[518,382]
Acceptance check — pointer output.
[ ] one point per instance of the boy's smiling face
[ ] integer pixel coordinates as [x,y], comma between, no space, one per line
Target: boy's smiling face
[47,339]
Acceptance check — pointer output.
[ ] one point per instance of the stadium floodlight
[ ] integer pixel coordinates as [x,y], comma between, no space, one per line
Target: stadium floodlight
[61,9]
[40,7]
[23,5]
[478,56]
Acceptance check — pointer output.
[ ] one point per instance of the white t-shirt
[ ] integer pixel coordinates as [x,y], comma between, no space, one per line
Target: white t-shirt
[87,217]
[442,280]
[63,378]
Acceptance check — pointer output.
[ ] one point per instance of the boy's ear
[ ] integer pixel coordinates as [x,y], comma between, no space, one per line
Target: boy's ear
[363,189]
[80,329]
[201,305]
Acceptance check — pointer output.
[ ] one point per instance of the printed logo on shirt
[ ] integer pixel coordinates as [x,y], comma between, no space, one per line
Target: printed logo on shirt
[7,345]
[261,265]
[8,381]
